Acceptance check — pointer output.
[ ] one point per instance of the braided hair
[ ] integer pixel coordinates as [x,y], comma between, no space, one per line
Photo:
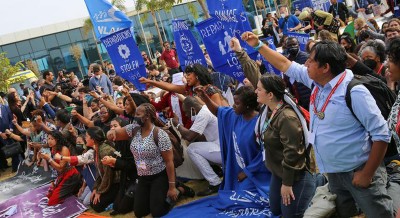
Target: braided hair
[152,112]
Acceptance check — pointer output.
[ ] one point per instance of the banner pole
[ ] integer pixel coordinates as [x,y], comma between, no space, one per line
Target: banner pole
[144,36]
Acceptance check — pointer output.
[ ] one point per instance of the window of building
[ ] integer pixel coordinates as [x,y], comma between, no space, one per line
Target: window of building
[75,35]
[50,41]
[11,50]
[63,38]
[37,44]
[24,47]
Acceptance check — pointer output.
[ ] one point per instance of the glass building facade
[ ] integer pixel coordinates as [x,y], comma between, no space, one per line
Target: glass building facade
[52,52]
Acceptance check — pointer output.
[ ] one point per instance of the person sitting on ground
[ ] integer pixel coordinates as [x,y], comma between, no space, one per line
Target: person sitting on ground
[204,144]
[68,179]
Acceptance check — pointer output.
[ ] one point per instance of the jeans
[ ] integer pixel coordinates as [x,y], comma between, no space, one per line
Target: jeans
[374,201]
[393,183]
[303,190]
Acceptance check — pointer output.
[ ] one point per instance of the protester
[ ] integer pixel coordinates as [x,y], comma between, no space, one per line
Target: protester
[355,175]
[154,163]
[287,22]
[196,75]
[204,144]
[68,179]
[170,58]
[100,81]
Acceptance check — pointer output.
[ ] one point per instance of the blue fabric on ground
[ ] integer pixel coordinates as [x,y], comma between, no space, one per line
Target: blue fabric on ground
[240,153]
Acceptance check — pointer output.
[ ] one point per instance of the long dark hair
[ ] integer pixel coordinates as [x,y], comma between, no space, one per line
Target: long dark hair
[12,99]
[201,72]
[97,134]
[60,140]
[275,84]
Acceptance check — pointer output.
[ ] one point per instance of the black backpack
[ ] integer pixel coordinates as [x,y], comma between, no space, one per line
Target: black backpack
[383,96]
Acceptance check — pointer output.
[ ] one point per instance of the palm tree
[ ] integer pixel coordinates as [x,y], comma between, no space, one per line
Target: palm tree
[153,6]
[76,52]
[87,28]
[193,10]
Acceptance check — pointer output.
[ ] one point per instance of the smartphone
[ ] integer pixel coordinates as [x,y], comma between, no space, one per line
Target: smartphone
[170,201]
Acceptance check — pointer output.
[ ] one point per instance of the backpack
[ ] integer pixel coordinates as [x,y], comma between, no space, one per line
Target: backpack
[177,148]
[383,96]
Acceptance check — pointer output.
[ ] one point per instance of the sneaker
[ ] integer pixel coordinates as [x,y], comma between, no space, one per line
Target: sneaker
[211,190]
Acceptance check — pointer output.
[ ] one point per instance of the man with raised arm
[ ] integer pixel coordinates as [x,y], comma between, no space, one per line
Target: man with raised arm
[349,149]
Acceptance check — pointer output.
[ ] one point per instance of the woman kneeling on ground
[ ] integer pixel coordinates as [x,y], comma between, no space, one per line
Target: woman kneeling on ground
[68,179]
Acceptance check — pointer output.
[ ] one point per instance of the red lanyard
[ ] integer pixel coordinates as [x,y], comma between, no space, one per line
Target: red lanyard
[379,71]
[321,113]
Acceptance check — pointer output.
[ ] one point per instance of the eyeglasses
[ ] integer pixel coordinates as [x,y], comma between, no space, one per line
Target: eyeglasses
[103,113]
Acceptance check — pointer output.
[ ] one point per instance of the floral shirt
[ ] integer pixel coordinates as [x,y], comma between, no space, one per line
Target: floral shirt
[393,121]
[145,151]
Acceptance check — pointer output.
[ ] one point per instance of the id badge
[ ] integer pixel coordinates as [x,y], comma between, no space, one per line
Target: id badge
[141,164]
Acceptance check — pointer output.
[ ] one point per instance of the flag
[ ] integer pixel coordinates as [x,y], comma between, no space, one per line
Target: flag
[302,38]
[126,57]
[106,18]
[216,40]
[189,51]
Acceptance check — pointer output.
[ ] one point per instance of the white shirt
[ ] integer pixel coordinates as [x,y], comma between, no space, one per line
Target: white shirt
[207,124]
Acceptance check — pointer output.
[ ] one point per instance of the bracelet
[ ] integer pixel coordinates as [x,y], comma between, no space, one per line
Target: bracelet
[59,94]
[171,182]
[257,47]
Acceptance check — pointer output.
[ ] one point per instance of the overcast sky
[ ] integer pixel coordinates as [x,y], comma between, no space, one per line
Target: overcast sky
[17,15]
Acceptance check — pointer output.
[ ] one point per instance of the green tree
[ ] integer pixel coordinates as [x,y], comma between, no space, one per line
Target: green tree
[32,65]
[7,70]
[153,6]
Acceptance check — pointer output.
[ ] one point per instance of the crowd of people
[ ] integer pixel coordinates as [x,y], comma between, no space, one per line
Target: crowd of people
[115,147]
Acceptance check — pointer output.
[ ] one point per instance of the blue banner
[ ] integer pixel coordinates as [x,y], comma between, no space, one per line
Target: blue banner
[216,40]
[232,16]
[268,66]
[225,9]
[302,38]
[189,51]
[126,57]
[106,18]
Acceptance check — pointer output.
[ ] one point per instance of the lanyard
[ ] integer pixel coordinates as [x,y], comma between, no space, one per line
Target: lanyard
[321,113]
[379,71]
[267,122]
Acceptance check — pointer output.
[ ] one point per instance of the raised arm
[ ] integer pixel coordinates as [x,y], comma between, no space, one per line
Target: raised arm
[211,105]
[164,85]
[108,104]
[83,119]
[250,67]
[276,59]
